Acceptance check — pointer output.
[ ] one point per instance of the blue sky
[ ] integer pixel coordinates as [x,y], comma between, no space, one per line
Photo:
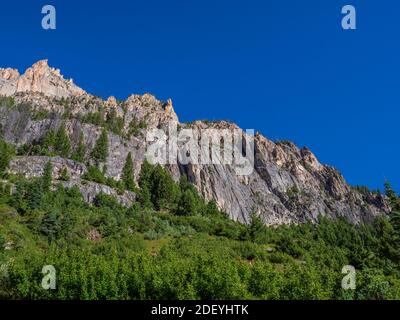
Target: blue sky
[285,68]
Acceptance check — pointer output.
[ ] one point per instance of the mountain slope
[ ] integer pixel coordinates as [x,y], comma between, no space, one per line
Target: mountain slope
[288,184]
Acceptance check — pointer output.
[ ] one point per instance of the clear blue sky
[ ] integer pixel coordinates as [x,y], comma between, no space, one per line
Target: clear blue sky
[285,68]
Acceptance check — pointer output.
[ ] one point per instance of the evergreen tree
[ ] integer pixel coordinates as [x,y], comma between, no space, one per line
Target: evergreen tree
[100,151]
[394,201]
[146,172]
[47,177]
[394,214]
[6,153]
[164,191]
[34,194]
[128,174]
[144,198]
[62,143]
[114,123]
[184,183]
[211,208]
[48,142]
[64,175]
[79,154]
[145,185]
[51,225]
[256,226]
[190,202]
[395,220]
[2,242]
[187,204]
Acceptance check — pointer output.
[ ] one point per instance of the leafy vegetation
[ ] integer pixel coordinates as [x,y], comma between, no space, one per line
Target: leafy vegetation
[94,174]
[172,244]
[135,126]
[53,143]
[8,102]
[109,121]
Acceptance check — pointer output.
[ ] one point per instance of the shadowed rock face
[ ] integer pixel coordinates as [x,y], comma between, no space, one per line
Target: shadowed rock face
[288,184]
[32,166]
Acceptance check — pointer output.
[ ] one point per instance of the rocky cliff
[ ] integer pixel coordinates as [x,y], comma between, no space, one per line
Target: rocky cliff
[288,184]
[38,78]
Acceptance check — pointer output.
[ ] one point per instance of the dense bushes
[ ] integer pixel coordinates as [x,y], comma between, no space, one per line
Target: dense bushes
[96,175]
[159,191]
[187,257]
[109,121]
[174,245]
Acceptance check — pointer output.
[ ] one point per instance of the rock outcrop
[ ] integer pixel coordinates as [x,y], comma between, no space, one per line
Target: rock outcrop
[288,183]
[32,166]
[39,78]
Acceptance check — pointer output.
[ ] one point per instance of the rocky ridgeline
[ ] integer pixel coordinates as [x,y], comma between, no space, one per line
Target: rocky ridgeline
[38,78]
[288,185]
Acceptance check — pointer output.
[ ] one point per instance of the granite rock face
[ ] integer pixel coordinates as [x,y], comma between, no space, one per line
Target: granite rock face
[38,78]
[288,183]
[32,166]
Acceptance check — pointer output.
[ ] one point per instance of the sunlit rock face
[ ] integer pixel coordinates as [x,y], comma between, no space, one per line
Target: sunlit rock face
[288,183]
[39,78]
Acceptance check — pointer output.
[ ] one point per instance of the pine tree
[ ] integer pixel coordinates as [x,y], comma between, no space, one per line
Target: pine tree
[50,225]
[187,204]
[128,174]
[6,153]
[256,225]
[164,191]
[100,151]
[48,142]
[389,191]
[184,183]
[395,220]
[144,198]
[64,175]
[63,144]
[394,216]
[47,177]
[34,194]
[144,195]
[79,154]
[146,172]
[190,202]
[391,194]
[114,123]
[211,208]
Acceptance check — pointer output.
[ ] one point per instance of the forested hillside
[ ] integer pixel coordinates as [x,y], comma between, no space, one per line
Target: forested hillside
[171,244]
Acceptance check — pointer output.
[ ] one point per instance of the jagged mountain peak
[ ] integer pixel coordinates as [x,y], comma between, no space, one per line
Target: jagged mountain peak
[39,78]
[41,81]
